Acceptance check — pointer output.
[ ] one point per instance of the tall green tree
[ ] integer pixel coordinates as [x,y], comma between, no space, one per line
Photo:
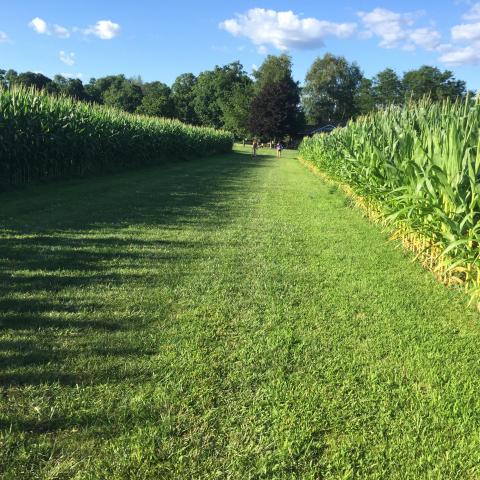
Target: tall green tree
[212,90]
[330,89]
[275,108]
[275,112]
[365,97]
[73,87]
[387,88]
[116,91]
[156,101]
[236,109]
[93,91]
[3,79]
[32,79]
[273,69]
[432,82]
[183,96]
[10,77]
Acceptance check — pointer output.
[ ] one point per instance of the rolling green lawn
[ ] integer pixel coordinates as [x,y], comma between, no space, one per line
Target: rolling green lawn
[226,318]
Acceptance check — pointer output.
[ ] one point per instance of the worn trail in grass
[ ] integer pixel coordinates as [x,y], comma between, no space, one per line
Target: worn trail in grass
[225,318]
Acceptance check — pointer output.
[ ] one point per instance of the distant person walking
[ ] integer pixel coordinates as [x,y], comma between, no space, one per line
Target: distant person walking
[254,147]
[279,148]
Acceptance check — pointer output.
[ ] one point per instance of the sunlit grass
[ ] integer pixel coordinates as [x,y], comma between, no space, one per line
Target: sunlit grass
[236,319]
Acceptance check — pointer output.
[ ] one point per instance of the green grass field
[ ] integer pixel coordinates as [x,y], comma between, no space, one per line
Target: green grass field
[227,318]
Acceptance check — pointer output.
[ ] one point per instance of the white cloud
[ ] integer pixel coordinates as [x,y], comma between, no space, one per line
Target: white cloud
[39,25]
[67,58]
[42,27]
[3,37]
[462,56]
[60,31]
[388,25]
[466,31]
[72,75]
[427,38]
[397,30]
[104,29]
[474,13]
[284,30]
[400,30]
[465,49]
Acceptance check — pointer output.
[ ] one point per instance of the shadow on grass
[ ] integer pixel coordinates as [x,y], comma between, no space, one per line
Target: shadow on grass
[59,243]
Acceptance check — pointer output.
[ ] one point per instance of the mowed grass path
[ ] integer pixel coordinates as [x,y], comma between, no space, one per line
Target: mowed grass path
[227,318]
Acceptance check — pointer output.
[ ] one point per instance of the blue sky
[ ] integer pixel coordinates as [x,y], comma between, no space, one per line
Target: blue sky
[162,39]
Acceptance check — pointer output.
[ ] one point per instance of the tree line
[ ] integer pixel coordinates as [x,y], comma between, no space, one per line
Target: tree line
[269,104]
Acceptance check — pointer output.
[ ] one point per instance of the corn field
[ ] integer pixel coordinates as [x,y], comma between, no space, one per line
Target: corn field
[45,137]
[416,169]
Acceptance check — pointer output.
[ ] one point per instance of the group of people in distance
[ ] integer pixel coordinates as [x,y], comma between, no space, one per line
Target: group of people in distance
[255,146]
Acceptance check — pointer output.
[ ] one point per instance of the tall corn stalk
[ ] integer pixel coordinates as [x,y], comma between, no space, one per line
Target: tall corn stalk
[418,168]
[44,137]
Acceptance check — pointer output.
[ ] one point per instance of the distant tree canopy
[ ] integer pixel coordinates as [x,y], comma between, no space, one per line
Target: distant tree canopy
[336,90]
[275,111]
[387,88]
[116,91]
[72,87]
[275,108]
[269,103]
[330,88]
[430,81]
[273,69]
[236,109]
[37,80]
[213,91]
[156,100]
[183,96]
[364,100]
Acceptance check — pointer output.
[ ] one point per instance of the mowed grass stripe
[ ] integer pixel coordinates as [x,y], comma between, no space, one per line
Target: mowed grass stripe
[233,318]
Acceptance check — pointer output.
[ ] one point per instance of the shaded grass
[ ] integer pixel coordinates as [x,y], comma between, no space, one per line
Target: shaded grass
[230,318]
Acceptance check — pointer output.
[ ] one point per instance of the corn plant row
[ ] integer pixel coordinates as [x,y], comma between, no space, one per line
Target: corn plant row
[46,137]
[417,170]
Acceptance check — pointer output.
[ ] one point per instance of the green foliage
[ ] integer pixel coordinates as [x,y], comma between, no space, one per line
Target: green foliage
[330,89]
[183,96]
[365,97]
[43,137]
[236,109]
[117,91]
[10,77]
[431,82]
[274,112]
[156,100]
[334,91]
[275,108]
[273,69]
[213,90]
[3,80]
[387,88]
[71,87]
[31,79]
[419,166]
